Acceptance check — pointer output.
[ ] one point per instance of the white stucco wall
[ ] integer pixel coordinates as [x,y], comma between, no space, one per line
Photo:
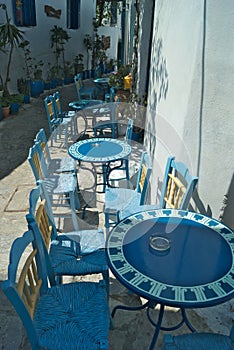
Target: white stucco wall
[115,34]
[193,103]
[39,36]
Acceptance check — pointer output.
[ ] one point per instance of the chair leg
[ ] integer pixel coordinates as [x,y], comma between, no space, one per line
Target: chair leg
[107,224]
[72,204]
[105,275]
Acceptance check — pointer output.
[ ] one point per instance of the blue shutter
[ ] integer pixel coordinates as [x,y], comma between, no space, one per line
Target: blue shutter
[24,12]
[73,14]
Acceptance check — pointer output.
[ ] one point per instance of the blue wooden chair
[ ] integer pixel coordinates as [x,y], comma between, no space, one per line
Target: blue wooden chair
[199,341]
[177,189]
[116,199]
[59,108]
[54,165]
[57,124]
[66,316]
[123,167]
[61,186]
[104,120]
[73,253]
[83,92]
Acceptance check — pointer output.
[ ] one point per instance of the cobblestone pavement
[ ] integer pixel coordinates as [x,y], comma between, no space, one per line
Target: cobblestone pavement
[131,329]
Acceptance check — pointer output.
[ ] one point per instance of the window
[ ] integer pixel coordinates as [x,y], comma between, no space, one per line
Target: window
[73,14]
[24,13]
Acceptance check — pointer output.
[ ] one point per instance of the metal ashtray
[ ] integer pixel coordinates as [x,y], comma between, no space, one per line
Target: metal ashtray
[159,243]
[96,144]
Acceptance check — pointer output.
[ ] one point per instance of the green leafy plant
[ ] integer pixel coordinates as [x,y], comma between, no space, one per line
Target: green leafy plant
[37,69]
[88,42]
[59,37]
[94,46]
[78,63]
[10,37]
[68,69]
[117,78]
[25,46]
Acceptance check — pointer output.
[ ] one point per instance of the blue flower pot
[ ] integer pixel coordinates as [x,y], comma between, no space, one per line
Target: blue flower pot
[14,108]
[26,98]
[36,88]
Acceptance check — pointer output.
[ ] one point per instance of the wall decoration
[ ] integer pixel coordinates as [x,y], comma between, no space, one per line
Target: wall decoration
[106,42]
[51,12]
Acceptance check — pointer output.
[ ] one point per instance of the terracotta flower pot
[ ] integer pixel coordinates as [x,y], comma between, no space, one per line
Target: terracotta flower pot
[5,111]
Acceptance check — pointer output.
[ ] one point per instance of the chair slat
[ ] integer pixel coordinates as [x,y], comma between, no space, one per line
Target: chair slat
[43,223]
[29,284]
[175,192]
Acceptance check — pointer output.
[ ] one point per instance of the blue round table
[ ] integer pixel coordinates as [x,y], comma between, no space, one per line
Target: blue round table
[83,104]
[103,84]
[100,150]
[194,269]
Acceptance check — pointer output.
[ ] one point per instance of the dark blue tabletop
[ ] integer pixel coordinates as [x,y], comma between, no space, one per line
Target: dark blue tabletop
[197,269]
[99,150]
[84,104]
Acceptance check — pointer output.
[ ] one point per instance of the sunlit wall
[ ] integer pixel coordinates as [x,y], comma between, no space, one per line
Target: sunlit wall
[190,100]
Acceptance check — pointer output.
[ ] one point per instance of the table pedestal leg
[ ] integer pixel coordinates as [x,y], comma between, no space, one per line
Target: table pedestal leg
[157,327]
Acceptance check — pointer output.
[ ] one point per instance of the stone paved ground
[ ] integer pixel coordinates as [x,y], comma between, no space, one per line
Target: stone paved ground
[131,329]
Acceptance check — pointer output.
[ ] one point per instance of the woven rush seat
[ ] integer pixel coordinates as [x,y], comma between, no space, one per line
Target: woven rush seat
[55,316]
[87,325]
[78,255]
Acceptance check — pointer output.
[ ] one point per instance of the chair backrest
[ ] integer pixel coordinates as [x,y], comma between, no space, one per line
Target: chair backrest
[143,177]
[37,162]
[78,84]
[25,285]
[50,111]
[40,211]
[58,103]
[43,143]
[128,134]
[178,185]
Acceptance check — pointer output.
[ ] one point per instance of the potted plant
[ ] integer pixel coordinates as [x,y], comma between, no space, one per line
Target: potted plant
[78,63]
[10,37]
[117,78]
[4,102]
[68,72]
[88,44]
[24,83]
[59,37]
[37,83]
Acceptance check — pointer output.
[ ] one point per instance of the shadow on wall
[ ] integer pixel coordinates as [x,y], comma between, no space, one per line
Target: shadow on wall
[199,206]
[227,211]
[159,80]
[158,89]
